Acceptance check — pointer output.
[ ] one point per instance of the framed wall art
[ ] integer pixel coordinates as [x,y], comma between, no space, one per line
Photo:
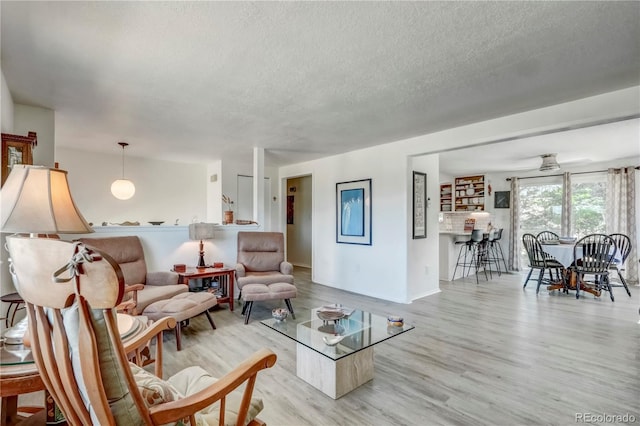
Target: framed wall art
[353,212]
[501,200]
[419,205]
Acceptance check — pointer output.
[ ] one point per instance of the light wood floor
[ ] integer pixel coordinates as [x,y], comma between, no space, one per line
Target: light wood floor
[487,354]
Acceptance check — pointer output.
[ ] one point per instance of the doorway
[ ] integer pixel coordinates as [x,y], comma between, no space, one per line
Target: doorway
[299,220]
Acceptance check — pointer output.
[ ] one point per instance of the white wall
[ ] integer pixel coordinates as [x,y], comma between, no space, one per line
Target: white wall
[229,186]
[165,191]
[42,121]
[379,270]
[422,266]
[385,270]
[6,106]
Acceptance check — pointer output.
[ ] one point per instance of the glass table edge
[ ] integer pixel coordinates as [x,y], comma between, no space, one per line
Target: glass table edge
[270,321]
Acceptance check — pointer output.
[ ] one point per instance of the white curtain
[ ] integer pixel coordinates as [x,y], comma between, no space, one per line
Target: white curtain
[514,226]
[565,226]
[621,213]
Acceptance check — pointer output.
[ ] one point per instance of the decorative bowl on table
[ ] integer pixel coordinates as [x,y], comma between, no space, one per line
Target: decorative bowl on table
[279,314]
[330,315]
[395,321]
[156,223]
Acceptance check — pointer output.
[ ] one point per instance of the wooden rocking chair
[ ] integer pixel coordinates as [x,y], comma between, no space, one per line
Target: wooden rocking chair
[70,294]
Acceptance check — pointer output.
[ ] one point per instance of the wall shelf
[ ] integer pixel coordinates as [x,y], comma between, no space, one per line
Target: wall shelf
[446,197]
[469,193]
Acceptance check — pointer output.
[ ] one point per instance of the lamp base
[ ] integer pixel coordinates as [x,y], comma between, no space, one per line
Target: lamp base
[201,263]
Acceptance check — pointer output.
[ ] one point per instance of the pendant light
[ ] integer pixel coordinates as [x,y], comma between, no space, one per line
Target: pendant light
[123,189]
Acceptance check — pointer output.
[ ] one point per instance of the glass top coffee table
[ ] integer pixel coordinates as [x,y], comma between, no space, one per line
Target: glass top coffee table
[336,355]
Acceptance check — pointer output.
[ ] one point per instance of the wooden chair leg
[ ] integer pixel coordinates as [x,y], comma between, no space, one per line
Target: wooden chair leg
[213,325]
[179,335]
[527,280]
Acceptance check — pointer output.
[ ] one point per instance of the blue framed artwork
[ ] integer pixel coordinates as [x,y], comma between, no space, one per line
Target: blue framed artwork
[353,212]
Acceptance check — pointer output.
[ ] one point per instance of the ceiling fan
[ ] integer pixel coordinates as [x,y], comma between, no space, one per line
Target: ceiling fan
[549,163]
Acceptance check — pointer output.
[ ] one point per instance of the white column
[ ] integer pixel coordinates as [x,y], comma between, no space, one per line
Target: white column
[258,186]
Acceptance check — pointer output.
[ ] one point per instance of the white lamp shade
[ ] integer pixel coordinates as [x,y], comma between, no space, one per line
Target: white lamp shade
[202,231]
[123,189]
[37,200]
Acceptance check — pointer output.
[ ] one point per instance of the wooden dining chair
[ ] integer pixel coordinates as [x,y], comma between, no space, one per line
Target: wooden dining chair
[592,256]
[547,236]
[70,293]
[623,243]
[541,261]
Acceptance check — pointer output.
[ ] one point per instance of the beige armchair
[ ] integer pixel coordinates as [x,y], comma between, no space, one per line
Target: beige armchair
[261,270]
[145,287]
[154,294]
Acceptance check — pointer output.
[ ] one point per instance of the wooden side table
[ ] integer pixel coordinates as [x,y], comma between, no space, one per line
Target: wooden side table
[227,281]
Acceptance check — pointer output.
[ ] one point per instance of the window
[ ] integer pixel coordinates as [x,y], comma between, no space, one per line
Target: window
[540,207]
[588,203]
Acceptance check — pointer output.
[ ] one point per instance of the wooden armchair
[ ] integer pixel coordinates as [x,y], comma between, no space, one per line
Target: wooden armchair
[70,294]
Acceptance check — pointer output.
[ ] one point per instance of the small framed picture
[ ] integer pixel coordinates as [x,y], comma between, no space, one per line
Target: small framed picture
[501,200]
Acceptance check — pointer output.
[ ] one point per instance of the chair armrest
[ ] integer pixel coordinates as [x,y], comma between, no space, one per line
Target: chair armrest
[245,372]
[139,343]
[286,268]
[240,270]
[162,278]
[130,302]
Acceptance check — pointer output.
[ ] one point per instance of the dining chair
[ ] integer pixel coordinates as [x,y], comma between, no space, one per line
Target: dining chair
[623,243]
[547,236]
[592,256]
[540,260]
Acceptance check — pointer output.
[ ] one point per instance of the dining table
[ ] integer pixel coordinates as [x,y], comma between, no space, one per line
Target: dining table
[19,374]
[564,253]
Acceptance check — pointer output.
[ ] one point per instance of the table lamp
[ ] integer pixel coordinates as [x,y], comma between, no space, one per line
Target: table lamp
[201,231]
[36,200]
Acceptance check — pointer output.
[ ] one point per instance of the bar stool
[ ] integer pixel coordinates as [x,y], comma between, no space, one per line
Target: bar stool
[14,300]
[494,251]
[474,255]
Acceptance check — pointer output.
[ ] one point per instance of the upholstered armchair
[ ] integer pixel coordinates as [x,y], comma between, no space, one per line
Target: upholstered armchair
[261,270]
[143,287]
[70,295]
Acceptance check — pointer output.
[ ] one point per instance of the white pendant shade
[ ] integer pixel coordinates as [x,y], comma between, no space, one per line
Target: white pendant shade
[123,189]
[37,200]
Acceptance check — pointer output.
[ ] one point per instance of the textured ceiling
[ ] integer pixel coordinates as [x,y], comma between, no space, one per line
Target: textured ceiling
[199,81]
